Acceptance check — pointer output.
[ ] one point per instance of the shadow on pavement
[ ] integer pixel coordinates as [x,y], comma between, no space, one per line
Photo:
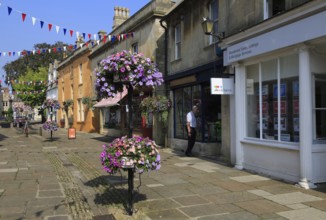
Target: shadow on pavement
[106,139]
[116,191]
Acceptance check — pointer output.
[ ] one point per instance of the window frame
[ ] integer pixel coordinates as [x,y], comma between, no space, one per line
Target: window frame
[80,111]
[177,41]
[314,109]
[135,47]
[80,73]
[212,39]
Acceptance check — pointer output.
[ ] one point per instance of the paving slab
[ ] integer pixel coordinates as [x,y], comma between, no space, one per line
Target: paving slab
[304,214]
[243,215]
[259,207]
[292,198]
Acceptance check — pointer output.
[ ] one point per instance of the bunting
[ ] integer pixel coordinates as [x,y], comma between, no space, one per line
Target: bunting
[57,27]
[92,43]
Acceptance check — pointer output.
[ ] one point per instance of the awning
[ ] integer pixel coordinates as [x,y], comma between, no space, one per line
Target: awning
[111,101]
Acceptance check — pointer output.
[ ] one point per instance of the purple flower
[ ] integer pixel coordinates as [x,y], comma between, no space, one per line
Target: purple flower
[122,69]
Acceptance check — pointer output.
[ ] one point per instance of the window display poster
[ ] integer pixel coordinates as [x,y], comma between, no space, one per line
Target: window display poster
[283,90]
[265,123]
[296,106]
[295,88]
[296,124]
[265,90]
[283,107]
[250,87]
[285,137]
[283,123]
[265,108]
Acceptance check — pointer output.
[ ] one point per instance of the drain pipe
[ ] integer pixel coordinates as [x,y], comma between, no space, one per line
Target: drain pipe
[165,52]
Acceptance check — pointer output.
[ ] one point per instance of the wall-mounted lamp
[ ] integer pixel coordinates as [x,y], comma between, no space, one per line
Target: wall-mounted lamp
[208,28]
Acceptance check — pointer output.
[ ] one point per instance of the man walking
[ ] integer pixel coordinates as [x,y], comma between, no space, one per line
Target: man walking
[191,130]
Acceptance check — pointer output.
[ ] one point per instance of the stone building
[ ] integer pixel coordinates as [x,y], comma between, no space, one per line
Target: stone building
[75,85]
[277,51]
[193,58]
[140,33]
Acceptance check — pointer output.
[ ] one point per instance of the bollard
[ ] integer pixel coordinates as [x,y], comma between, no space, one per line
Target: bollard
[40,132]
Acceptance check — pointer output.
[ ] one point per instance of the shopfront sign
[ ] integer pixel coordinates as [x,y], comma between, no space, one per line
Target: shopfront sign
[300,31]
[222,86]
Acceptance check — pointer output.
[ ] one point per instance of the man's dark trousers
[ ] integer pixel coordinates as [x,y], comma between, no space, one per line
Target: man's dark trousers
[191,141]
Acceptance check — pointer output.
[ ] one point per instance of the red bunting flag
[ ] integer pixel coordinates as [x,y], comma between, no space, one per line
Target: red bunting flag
[89,36]
[104,40]
[50,26]
[54,49]
[71,33]
[23,16]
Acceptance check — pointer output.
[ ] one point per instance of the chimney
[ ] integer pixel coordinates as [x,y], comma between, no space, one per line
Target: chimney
[121,14]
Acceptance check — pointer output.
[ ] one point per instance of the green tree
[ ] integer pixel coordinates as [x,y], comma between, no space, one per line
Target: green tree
[41,58]
[31,87]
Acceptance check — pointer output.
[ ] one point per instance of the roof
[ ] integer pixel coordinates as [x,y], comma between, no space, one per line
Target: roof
[111,101]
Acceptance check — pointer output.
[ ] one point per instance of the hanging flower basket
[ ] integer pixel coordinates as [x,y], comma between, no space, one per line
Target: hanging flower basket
[50,126]
[125,68]
[48,103]
[156,105]
[124,153]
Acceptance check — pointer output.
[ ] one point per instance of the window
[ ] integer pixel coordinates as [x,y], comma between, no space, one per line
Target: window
[80,110]
[213,15]
[80,73]
[208,118]
[273,7]
[134,48]
[177,39]
[71,72]
[320,108]
[272,92]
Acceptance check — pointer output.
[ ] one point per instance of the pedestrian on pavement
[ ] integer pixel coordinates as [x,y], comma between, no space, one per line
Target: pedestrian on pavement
[191,129]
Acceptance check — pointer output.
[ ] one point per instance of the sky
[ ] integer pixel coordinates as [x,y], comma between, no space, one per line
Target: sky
[79,16]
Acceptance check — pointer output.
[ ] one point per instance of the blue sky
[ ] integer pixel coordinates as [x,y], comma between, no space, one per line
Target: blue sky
[81,16]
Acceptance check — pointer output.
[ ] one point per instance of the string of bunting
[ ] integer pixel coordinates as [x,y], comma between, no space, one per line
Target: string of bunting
[26,92]
[51,25]
[67,48]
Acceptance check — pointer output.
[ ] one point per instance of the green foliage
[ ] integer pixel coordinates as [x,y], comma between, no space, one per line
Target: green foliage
[67,103]
[10,113]
[19,67]
[32,94]
[87,101]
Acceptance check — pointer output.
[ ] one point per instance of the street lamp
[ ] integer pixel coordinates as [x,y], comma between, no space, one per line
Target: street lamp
[208,28]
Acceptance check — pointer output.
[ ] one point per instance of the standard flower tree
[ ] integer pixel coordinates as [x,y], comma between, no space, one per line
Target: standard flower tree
[133,153]
[52,106]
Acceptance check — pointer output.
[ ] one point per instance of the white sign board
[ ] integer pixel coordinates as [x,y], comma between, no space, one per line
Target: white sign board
[222,86]
[300,31]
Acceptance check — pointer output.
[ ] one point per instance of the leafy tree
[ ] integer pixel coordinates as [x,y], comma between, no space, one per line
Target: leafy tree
[41,58]
[31,88]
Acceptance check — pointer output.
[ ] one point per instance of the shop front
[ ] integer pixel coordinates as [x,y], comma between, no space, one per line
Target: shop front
[279,102]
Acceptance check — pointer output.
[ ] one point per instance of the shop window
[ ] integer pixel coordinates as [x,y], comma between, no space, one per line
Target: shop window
[320,108]
[208,118]
[177,41]
[272,93]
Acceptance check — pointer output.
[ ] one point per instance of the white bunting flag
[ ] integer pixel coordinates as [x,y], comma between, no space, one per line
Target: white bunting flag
[57,28]
[95,37]
[33,20]
[64,48]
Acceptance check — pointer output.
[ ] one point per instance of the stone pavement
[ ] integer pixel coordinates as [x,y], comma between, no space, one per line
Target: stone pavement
[62,179]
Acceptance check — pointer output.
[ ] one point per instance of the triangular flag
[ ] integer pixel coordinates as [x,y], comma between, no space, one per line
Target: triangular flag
[33,20]
[38,51]
[84,35]
[13,53]
[109,37]
[23,16]
[42,23]
[89,36]
[57,28]
[33,52]
[71,33]
[9,10]
[64,48]
[98,41]
[86,44]
[75,46]
[100,37]
[19,53]
[54,49]
[0,54]
[49,50]
[77,34]
[104,40]
[4,54]
[81,45]
[95,36]
[119,37]
[9,53]
[64,31]
[92,43]
[50,26]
